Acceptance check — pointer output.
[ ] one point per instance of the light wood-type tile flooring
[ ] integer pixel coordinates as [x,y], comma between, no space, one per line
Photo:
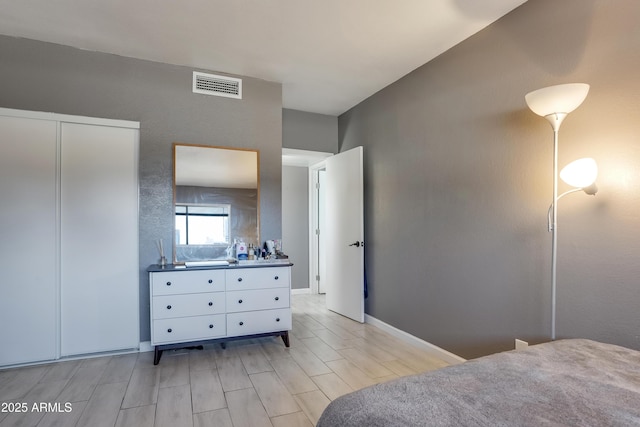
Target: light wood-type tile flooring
[251,383]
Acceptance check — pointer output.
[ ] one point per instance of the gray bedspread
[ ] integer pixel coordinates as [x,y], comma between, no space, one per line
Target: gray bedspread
[563,383]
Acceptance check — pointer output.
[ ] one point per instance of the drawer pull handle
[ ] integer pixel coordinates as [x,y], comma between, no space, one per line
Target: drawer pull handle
[239,279]
[168,307]
[210,304]
[210,326]
[241,323]
[210,281]
[277,319]
[169,330]
[168,283]
[239,301]
[276,277]
[277,298]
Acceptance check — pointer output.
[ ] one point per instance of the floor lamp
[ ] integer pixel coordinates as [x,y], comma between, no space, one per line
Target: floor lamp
[554,103]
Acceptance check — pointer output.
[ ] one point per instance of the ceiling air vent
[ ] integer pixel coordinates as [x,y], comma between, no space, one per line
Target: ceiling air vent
[211,84]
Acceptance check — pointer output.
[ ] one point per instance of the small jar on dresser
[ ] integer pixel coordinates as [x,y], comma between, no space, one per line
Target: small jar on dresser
[197,305]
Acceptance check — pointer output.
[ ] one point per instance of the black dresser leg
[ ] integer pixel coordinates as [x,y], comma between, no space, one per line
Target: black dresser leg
[285,338]
[156,356]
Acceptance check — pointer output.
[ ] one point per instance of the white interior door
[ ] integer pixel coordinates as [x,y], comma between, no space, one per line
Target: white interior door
[345,234]
[322,246]
[28,288]
[99,239]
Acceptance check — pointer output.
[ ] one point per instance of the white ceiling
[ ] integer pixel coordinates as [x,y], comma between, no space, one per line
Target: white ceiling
[328,54]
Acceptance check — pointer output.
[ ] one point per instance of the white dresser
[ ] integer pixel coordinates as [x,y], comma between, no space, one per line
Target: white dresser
[196,305]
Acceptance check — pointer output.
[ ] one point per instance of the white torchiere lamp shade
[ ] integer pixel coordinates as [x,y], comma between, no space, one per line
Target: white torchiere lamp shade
[581,173]
[557,99]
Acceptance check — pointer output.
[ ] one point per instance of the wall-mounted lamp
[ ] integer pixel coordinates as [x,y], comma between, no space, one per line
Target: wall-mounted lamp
[554,103]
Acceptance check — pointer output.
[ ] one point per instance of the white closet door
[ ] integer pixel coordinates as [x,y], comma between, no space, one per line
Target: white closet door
[28,287]
[99,239]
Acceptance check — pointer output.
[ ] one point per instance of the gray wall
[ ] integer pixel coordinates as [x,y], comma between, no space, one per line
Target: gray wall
[309,131]
[47,77]
[458,181]
[295,222]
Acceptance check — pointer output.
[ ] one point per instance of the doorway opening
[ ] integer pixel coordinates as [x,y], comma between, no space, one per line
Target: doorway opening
[304,200]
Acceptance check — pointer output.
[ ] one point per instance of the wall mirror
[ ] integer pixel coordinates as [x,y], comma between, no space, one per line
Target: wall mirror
[216,200]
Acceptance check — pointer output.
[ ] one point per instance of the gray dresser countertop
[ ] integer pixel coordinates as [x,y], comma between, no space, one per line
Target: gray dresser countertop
[156,268]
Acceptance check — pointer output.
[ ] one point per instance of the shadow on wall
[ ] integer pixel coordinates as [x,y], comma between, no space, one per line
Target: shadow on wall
[538,42]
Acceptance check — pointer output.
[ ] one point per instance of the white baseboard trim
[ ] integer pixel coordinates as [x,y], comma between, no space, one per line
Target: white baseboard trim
[73,357]
[300,291]
[413,340]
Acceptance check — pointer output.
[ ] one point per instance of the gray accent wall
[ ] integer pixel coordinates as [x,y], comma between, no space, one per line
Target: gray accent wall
[47,77]
[295,223]
[458,180]
[309,131]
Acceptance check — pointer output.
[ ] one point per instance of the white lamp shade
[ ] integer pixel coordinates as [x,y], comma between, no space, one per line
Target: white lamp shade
[580,173]
[557,99]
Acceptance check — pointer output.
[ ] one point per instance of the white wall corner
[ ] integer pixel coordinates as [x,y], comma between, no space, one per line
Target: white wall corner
[415,341]
[145,346]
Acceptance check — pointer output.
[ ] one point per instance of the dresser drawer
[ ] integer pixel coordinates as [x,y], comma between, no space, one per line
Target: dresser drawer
[188,329]
[257,299]
[166,306]
[187,282]
[257,278]
[256,322]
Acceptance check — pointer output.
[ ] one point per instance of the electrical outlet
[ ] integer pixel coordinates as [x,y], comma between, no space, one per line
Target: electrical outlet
[521,344]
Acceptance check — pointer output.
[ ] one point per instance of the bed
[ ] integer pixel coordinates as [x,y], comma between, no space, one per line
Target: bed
[573,382]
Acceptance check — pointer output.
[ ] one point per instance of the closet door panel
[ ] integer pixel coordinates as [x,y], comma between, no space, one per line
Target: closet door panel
[28,289]
[99,239]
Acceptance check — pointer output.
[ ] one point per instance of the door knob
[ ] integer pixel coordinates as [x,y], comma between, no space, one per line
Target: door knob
[357,244]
